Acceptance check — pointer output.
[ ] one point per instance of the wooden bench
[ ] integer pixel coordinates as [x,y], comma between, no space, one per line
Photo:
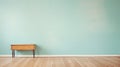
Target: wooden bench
[23,47]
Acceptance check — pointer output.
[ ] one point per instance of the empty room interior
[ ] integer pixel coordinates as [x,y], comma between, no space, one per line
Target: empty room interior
[59,33]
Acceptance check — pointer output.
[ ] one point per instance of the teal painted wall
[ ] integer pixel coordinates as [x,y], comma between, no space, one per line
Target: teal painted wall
[61,27]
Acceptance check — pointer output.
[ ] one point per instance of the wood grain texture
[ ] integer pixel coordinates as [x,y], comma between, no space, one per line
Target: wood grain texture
[23,46]
[60,62]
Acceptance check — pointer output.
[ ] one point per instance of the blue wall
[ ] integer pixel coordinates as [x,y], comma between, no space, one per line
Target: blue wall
[61,27]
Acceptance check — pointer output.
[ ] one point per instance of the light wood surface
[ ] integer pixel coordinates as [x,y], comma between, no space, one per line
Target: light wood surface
[23,47]
[61,62]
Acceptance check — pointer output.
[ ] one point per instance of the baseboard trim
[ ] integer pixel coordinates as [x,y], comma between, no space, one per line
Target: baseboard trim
[56,55]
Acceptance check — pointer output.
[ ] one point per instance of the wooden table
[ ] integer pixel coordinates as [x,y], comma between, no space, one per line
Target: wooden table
[23,47]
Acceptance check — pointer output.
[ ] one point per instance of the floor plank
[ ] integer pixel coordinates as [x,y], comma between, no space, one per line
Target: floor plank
[60,62]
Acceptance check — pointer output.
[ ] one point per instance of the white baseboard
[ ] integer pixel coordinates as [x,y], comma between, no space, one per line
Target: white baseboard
[56,55]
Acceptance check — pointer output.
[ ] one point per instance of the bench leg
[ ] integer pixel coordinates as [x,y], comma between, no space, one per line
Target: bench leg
[33,53]
[13,53]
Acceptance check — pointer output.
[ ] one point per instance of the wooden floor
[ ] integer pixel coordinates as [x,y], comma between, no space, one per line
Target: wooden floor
[61,62]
